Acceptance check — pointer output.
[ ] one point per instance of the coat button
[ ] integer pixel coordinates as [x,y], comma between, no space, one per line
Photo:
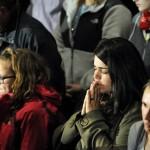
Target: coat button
[84,122]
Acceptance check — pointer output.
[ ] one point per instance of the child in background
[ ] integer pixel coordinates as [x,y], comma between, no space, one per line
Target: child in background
[28,107]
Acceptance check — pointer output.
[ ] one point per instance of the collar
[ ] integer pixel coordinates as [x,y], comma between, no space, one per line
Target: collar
[71,6]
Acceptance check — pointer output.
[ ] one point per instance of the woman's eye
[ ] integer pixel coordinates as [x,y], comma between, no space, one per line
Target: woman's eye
[144,104]
[101,70]
[104,71]
[95,68]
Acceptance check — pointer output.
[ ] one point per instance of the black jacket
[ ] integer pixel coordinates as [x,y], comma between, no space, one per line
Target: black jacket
[26,32]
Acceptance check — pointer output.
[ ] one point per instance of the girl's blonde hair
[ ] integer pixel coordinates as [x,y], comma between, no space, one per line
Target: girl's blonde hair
[29,69]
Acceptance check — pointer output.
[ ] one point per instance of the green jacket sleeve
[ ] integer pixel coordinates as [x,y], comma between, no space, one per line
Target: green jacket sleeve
[65,135]
[93,130]
[96,134]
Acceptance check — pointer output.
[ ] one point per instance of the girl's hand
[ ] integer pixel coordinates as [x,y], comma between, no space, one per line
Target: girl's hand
[92,99]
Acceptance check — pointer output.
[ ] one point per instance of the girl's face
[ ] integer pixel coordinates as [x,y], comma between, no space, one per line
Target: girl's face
[142,4]
[146,109]
[7,77]
[101,76]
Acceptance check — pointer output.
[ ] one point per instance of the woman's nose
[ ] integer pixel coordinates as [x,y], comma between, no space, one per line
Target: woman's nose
[97,74]
[147,115]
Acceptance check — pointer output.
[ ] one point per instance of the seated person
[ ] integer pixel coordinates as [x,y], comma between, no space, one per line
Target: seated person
[19,30]
[83,24]
[111,105]
[139,135]
[29,107]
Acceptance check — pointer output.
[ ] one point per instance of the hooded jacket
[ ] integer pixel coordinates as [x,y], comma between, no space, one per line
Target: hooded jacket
[141,43]
[81,29]
[32,125]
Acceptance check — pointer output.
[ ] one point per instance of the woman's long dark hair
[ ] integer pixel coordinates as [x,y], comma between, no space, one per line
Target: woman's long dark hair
[126,68]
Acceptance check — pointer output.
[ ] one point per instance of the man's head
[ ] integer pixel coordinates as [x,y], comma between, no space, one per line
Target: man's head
[7,3]
[9,8]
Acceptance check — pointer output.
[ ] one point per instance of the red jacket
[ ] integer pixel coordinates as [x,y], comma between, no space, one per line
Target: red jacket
[33,125]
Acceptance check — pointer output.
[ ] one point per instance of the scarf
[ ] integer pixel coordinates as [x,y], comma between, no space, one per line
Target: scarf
[144,23]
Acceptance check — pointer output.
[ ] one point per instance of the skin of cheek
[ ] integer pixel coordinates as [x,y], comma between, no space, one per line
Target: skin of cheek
[4,89]
[103,79]
[142,5]
[105,85]
[145,108]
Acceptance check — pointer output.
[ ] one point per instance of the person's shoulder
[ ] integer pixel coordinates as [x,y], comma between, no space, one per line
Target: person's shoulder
[137,130]
[33,106]
[137,125]
[112,3]
[134,109]
[117,8]
[135,17]
[33,24]
[136,135]
[29,27]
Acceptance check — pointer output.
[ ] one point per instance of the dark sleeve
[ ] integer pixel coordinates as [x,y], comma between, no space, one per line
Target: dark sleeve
[94,131]
[65,136]
[43,43]
[48,49]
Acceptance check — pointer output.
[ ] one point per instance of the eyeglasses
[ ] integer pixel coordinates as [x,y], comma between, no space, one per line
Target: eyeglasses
[4,79]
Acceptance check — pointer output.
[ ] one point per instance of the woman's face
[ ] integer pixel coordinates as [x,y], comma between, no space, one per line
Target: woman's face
[102,76]
[146,109]
[7,77]
[142,4]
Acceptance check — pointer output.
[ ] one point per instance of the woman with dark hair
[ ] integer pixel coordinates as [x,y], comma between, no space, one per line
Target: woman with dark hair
[111,104]
[83,24]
